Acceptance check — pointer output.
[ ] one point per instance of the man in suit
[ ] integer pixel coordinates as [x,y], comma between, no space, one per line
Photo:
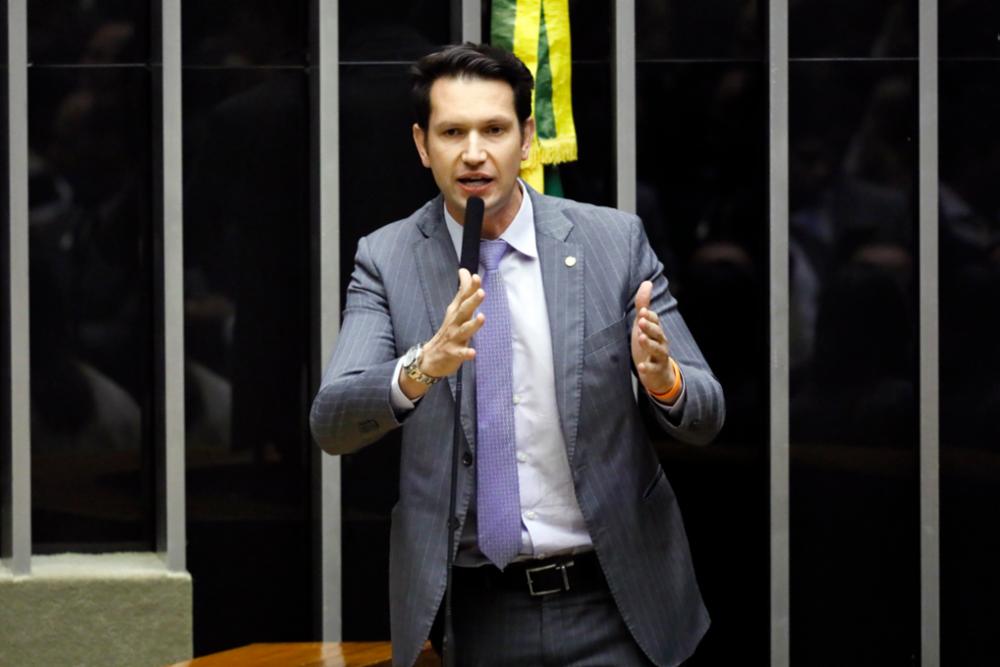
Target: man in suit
[570,546]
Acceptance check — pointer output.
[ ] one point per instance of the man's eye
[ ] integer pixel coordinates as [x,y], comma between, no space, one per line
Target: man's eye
[452,132]
[495,131]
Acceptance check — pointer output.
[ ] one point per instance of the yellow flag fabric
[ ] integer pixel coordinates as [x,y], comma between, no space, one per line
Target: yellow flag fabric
[538,32]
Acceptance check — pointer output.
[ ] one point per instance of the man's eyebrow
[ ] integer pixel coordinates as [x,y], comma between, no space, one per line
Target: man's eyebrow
[493,120]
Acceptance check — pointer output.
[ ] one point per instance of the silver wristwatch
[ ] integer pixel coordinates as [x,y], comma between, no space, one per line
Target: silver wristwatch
[411,366]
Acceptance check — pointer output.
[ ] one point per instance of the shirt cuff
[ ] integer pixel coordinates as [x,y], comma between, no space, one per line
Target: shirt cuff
[397,399]
[673,410]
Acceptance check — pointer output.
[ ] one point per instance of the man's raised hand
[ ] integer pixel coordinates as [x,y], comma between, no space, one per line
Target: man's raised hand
[449,347]
[650,347]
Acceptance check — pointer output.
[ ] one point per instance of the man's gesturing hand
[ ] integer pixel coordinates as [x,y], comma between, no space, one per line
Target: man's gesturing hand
[449,347]
[650,347]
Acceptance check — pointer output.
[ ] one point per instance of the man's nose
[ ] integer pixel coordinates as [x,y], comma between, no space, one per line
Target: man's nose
[475,151]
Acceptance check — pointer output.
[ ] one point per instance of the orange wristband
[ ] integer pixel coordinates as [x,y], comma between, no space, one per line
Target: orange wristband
[670,395]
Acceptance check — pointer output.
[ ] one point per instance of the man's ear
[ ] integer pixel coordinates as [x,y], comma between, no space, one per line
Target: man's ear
[527,134]
[420,141]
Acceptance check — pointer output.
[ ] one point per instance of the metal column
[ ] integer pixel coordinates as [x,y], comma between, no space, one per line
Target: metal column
[325,160]
[171,539]
[624,77]
[779,335]
[16,481]
[930,550]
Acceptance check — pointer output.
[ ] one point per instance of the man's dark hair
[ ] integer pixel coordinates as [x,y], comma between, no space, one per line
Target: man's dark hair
[473,61]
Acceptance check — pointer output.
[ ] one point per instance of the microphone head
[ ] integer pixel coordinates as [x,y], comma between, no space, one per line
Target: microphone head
[472,229]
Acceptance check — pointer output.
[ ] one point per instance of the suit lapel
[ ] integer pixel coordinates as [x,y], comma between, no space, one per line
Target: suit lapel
[437,265]
[563,282]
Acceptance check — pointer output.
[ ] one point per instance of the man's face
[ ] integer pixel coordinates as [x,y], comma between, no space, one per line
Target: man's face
[474,147]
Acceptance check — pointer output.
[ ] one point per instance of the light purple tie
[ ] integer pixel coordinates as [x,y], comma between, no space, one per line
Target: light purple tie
[497,500]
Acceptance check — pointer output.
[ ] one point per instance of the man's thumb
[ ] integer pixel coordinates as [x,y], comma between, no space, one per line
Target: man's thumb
[643,295]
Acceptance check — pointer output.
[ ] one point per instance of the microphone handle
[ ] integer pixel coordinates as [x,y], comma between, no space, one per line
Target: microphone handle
[471,231]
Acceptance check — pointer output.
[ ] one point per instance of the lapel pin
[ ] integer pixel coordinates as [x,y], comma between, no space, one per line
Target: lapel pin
[571,261]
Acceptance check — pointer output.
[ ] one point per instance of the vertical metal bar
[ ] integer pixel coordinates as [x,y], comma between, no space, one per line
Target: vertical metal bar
[171,527]
[325,161]
[930,554]
[455,14]
[17,481]
[779,353]
[624,73]
[472,21]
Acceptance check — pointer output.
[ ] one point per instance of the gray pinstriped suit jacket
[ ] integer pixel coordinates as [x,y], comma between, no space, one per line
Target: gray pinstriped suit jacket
[404,278]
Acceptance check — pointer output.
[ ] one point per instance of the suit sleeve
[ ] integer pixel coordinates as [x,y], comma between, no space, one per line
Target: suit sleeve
[353,406]
[704,410]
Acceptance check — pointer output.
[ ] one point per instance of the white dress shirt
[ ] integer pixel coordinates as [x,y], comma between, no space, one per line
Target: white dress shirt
[551,521]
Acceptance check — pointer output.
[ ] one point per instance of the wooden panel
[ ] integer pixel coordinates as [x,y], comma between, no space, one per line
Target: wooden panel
[317,654]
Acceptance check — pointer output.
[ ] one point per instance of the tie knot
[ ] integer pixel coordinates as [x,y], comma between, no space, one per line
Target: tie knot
[491,252]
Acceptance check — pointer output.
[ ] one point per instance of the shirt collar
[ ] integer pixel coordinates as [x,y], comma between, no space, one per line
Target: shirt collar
[520,234]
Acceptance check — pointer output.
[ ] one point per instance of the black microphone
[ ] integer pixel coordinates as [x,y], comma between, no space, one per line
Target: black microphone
[471,232]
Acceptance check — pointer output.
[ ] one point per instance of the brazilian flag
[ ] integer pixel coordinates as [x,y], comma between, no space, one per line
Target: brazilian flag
[537,32]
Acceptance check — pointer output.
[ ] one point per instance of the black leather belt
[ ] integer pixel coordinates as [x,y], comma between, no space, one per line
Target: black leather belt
[548,576]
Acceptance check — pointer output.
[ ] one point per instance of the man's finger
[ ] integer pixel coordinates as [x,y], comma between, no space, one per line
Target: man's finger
[652,330]
[470,286]
[467,308]
[643,296]
[656,350]
[467,284]
[469,329]
[463,283]
[648,370]
[649,367]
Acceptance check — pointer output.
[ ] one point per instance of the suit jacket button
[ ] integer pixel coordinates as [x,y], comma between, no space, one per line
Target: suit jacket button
[467,459]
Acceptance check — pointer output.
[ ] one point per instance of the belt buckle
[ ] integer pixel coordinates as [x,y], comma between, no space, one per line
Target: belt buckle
[545,568]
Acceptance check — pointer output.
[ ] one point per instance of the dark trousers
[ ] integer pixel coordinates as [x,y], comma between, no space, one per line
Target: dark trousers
[498,622]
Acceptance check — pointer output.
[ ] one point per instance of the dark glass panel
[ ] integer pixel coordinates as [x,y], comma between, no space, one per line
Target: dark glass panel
[591,27]
[969,28]
[855,553]
[702,195]
[704,29]
[970,361]
[241,33]
[592,177]
[381,180]
[247,336]
[852,28]
[397,30]
[91,308]
[69,32]
[381,176]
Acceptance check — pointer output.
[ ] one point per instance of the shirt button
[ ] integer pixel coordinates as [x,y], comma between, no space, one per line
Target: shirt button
[517,399]
[522,457]
[530,515]
[467,459]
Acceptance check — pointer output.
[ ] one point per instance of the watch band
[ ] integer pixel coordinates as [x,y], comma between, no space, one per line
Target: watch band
[413,371]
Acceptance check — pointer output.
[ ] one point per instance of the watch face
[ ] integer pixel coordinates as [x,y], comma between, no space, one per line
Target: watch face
[410,356]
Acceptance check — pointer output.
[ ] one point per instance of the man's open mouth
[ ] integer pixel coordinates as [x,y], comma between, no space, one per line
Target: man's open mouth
[474,182]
